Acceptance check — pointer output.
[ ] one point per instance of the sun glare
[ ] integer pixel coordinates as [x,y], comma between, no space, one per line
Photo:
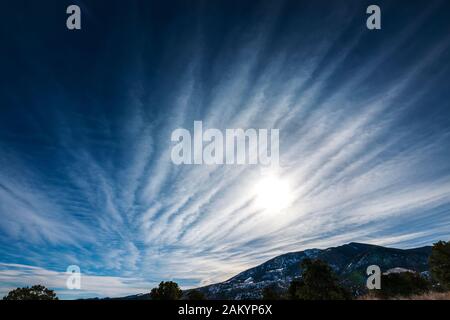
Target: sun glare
[272,193]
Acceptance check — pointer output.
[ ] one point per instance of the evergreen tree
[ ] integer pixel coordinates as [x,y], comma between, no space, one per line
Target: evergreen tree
[167,290]
[37,292]
[439,262]
[318,282]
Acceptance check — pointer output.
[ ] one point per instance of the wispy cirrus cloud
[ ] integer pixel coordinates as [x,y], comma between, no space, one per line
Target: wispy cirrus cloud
[364,144]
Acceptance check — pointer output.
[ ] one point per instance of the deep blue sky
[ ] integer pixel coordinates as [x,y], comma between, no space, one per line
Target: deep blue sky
[86,118]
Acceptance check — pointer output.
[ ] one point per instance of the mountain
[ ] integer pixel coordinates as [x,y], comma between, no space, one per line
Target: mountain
[348,261]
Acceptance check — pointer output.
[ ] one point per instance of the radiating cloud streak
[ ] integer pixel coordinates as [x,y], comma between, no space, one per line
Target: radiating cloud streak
[364,143]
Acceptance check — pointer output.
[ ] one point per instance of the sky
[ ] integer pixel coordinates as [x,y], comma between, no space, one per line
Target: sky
[86,117]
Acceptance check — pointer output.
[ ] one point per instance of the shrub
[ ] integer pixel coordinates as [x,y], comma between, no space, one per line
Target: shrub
[402,284]
[195,295]
[270,293]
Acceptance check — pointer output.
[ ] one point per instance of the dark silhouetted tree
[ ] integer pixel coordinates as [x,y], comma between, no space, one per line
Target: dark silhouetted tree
[270,293]
[294,286]
[402,284]
[167,290]
[36,292]
[439,262]
[195,295]
[318,282]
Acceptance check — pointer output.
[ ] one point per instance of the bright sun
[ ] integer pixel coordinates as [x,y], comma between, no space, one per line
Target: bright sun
[272,193]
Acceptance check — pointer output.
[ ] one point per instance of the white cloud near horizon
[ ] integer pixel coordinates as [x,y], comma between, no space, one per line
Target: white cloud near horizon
[17,275]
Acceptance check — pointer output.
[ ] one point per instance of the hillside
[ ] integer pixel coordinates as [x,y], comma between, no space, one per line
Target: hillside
[349,261]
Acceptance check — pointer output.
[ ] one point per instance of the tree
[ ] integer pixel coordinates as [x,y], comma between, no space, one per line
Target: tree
[195,295]
[402,284]
[269,293]
[439,263]
[167,290]
[293,289]
[318,282]
[37,292]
